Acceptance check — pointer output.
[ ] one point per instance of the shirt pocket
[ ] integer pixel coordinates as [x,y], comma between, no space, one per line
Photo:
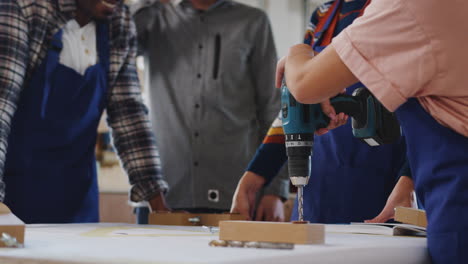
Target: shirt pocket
[232,59]
[235,90]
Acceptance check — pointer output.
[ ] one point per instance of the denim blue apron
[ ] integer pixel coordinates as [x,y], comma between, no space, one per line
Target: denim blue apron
[438,157]
[50,170]
[350,181]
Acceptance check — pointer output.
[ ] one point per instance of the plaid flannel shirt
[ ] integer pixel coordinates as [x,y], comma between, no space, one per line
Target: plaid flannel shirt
[26,29]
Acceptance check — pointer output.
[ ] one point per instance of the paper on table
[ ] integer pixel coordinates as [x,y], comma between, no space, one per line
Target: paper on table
[153,232]
[359,229]
[9,219]
[389,229]
[408,230]
[119,231]
[398,229]
[409,226]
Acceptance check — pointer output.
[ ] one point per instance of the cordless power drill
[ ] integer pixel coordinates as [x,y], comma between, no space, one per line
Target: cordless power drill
[371,122]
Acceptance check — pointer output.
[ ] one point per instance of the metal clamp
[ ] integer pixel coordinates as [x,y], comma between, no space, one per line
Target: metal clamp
[194,220]
[10,241]
[253,244]
[211,229]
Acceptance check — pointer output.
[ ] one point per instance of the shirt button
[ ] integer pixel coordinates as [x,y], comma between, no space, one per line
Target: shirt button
[213,195]
[200,46]
[87,51]
[197,106]
[199,76]
[196,134]
[202,19]
[195,164]
[82,38]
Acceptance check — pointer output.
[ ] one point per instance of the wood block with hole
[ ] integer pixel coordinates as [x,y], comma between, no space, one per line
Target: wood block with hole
[275,232]
[187,219]
[411,216]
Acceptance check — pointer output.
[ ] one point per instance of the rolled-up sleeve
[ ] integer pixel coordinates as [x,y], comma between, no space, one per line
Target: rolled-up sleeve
[388,51]
[14,59]
[131,129]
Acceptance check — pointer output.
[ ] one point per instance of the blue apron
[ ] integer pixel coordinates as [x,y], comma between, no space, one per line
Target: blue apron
[438,157]
[50,170]
[349,181]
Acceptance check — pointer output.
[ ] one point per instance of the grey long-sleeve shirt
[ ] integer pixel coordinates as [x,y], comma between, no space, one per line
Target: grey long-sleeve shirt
[212,96]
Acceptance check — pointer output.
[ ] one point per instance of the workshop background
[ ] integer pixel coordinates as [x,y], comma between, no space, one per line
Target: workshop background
[288,19]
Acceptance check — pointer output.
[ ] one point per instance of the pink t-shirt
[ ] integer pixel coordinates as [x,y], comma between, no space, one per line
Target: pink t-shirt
[413,48]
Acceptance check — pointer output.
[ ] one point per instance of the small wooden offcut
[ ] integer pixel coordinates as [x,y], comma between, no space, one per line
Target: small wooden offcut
[411,216]
[272,232]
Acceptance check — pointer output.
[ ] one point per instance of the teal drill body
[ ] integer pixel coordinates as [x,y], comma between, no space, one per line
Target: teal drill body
[371,123]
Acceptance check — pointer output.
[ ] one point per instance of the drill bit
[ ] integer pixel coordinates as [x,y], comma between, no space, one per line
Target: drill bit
[300,203]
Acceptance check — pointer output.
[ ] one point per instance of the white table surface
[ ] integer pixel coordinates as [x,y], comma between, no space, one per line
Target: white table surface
[125,243]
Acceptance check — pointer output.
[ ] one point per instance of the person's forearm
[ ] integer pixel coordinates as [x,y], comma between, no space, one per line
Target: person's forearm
[405,185]
[136,147]
[268,160]
[313,79]
[131,131]
[14,53]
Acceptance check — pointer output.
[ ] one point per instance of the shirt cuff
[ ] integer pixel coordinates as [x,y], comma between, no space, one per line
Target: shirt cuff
[368,74]
[405,170]
[268,161]
[145,190]
[279,187]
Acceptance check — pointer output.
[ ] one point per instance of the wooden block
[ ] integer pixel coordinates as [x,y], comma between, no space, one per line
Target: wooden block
[10,224]
[186,219]
[113,208]
[275,232]
[214,219]
[411,216]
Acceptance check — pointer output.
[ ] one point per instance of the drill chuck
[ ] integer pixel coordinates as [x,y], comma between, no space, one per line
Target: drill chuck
[299,149]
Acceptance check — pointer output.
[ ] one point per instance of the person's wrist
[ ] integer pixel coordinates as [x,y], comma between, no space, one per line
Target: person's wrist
[252,181]
[406,184]
[158,202]
[273,196]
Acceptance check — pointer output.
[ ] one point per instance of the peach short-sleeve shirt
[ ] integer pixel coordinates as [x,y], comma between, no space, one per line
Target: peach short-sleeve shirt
[413,48]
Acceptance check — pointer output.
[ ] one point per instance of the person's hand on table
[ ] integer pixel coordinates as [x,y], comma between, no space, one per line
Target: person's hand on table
[243,201]
[270,208]
[158,203]
[402,195]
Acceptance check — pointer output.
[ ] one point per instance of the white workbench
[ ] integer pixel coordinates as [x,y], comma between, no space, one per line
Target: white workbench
[124,243]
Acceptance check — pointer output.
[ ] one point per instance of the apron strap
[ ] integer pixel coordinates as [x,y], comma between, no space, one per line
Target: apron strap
[102,32]
[52,58]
